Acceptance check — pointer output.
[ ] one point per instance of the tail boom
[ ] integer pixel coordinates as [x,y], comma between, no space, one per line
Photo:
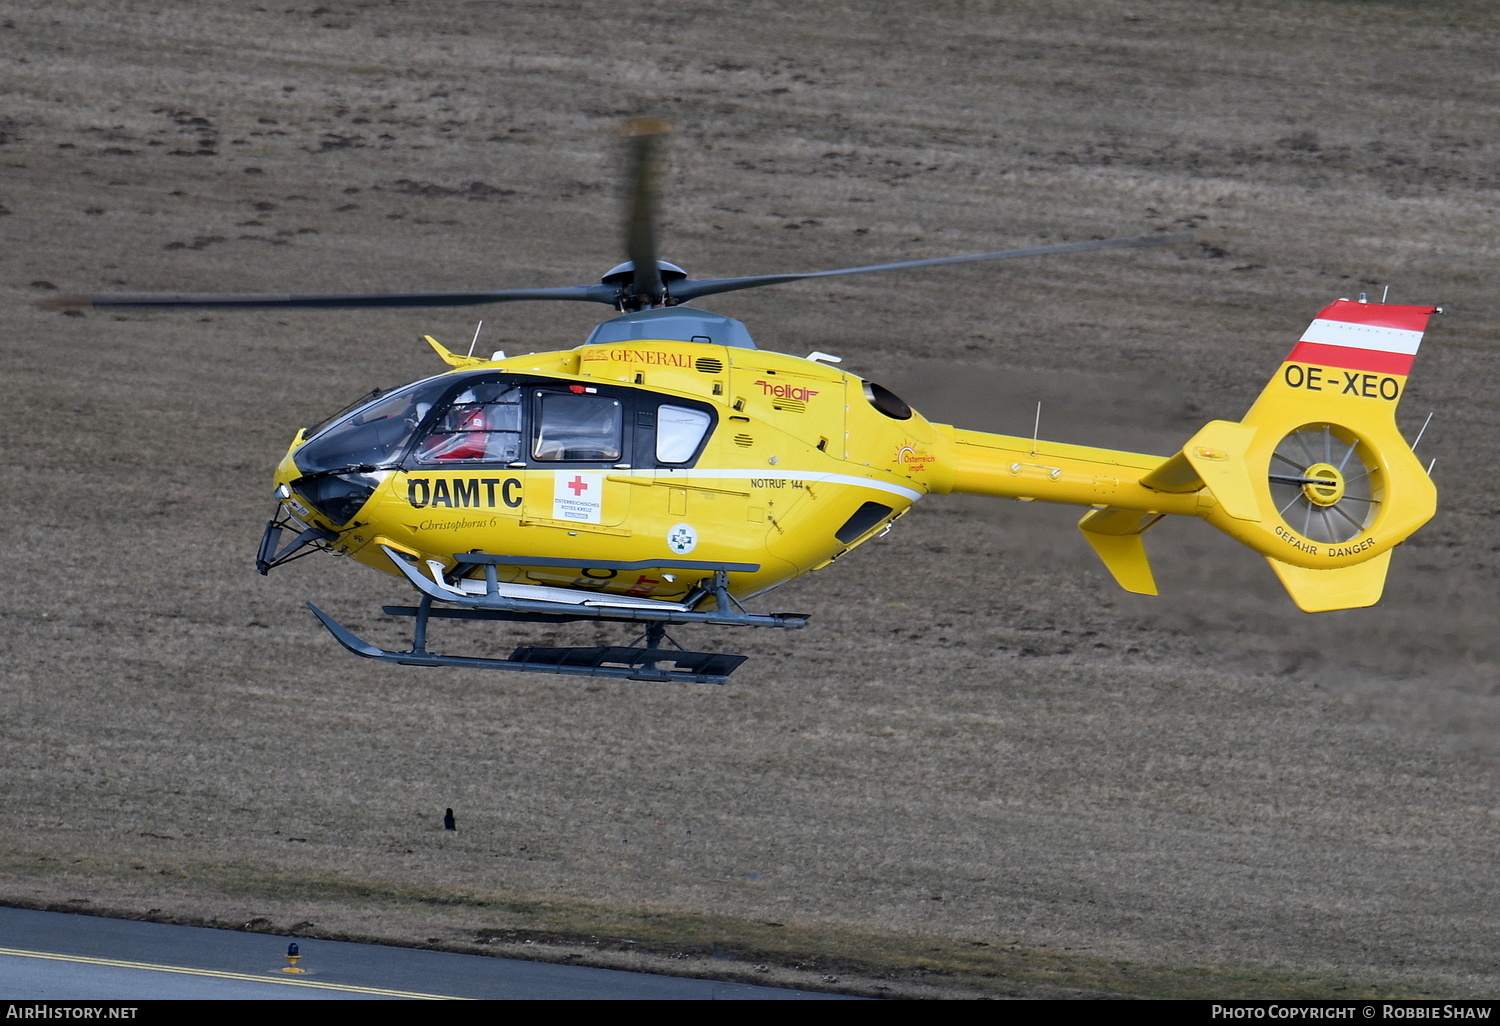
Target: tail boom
[1008,467]
[1317,476]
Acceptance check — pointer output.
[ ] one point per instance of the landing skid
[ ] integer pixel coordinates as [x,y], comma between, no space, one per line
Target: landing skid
[646,658]
[642,660]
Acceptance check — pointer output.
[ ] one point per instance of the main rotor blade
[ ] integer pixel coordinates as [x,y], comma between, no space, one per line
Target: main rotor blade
[686,290]
[334,301]
[643,175]
[682,291]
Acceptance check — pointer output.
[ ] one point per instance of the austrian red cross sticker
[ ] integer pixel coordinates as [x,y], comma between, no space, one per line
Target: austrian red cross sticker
[578,497]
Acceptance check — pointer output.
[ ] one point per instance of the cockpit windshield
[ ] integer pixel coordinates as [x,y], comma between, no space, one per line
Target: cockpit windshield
[373,435]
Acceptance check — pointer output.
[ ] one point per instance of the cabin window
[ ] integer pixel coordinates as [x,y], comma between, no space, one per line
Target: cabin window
[864,518]
[679,430]
[886,401]
[583,428]
[481,425]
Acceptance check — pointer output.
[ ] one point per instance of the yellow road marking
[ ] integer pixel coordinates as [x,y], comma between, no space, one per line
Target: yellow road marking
[225,975]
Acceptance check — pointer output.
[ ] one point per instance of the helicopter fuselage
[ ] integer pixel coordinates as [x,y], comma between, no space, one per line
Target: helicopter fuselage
[625,450]
[669,460]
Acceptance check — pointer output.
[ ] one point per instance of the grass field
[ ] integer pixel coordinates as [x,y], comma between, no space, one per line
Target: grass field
[982,770]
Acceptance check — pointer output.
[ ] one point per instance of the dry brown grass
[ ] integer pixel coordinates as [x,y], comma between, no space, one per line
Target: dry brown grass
[978,741]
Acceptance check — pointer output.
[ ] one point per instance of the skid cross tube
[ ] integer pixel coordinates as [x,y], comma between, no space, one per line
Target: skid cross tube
[599,606]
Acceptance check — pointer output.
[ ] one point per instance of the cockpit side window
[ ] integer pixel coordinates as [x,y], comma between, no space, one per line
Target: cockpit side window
[678,432]
[574,427]
[481,425]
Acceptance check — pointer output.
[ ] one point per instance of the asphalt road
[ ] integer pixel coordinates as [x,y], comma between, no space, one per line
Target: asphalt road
[58,956]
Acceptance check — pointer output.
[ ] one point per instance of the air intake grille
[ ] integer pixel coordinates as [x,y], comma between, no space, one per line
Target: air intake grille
[744,441]
[708,365]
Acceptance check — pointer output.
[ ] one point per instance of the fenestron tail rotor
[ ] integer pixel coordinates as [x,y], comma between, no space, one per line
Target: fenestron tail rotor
[1324,483]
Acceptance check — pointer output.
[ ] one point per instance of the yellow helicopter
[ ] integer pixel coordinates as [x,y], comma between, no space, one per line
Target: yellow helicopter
[667,471]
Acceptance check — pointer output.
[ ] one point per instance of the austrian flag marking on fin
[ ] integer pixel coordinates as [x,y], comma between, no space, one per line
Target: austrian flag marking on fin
[1364,337]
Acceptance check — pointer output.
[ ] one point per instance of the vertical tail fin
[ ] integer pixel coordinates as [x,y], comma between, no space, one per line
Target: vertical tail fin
[1345,484]
[1316,477]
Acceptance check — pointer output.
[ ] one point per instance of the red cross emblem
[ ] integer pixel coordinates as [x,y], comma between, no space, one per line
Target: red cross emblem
[579,485]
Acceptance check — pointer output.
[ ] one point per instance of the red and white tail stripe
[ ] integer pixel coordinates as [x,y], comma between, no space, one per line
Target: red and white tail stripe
[1370,337]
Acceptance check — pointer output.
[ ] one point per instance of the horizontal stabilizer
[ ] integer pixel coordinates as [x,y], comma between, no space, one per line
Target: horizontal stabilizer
[1350,587]
[1175,475]
[1214,458]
